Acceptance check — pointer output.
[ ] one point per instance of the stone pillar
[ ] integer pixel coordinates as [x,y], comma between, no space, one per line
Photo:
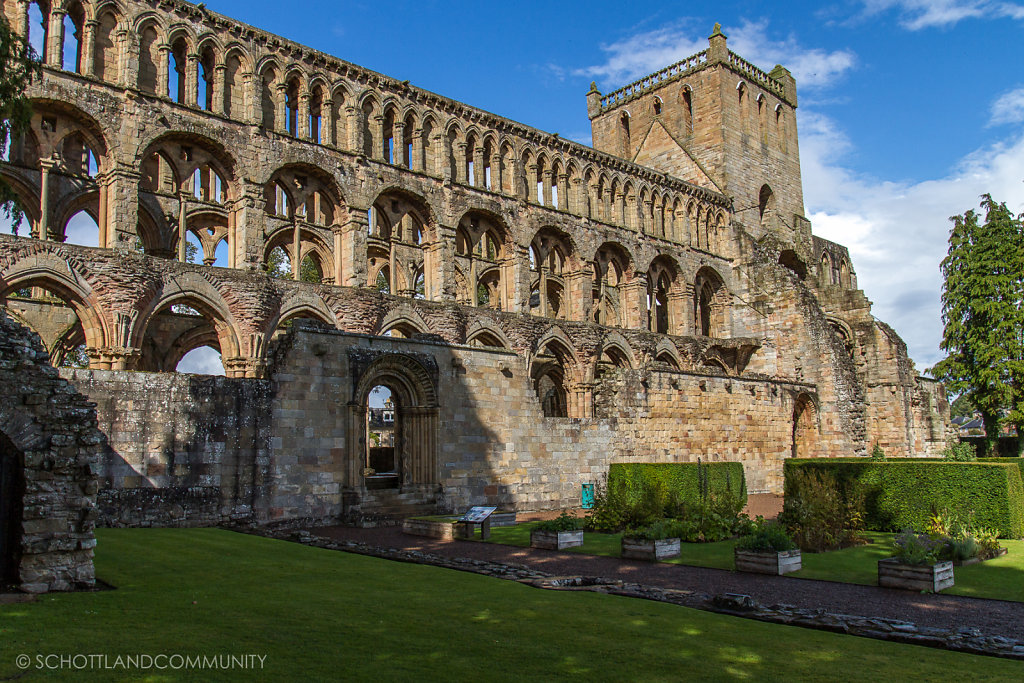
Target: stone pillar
[88,44]
[122,199]
[296,249]
[302,125]
[416,162]
[55,38]
[579,297]
[281,107]
[479,173]
[677,311]
[459,172]
[531,185]
[355,131]
[398,140]
[633,303]
[339,279]
[192,80]
[542,288]
[377,130]
[122,47]
[219,73]
[564,193]
[353,248]
[546,187]
[496,184]
[439,265]
[101,217]
[327,124]
[162,76]
[182,227]
[249,224]
[44,198]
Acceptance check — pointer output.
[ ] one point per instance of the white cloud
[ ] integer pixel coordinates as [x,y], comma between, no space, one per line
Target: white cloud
[1009,108]
[644,53]
[897,232]
[919,14]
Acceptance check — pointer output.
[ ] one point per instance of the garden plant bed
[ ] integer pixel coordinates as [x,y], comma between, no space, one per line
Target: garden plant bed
[650,550]
[556,540]
[443,526]
[927,577]
[977,560]
[777,563]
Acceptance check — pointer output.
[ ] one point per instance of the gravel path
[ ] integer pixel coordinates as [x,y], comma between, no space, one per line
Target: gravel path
[992,617]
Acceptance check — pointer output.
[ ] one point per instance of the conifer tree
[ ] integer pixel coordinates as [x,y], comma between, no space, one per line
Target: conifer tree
[983,314]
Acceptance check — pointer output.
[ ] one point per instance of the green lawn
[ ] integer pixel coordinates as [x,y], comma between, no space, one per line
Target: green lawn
[319,614]
[999,579]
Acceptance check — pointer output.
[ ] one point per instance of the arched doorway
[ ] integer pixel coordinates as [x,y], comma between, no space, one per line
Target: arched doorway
[11,492]
[383,432]
[398,453]
[805,427]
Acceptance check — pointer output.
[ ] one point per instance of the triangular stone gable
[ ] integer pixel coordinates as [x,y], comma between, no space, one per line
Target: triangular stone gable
[661,151]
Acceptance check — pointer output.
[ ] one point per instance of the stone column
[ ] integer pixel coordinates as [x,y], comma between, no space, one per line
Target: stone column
[55,38]
[416,163]
[459,174]
[377,130]
[677,311]
[633,303]
[338,233]
[302,125]
[546,185]
[542,288]
[355,131]
[398,140]
[249,224]
[219,73]
[192,80]
[101,217]
[327,124]
[353,248]
[122,200]
[162,77]
[296,249]
[564,193]
[88,44]
[579,297]
[496,184]
[44,198]
[479,173]
[122,47]
[281,107]
[182,226]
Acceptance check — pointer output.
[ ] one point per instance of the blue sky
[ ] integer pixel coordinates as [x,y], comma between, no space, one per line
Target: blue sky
[909,109]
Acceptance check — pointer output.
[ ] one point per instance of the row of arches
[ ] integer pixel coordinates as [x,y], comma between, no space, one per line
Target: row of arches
[194,206]
[205,72]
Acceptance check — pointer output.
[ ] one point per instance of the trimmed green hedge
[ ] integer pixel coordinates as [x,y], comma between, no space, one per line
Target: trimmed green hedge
[682,477]
[903,493]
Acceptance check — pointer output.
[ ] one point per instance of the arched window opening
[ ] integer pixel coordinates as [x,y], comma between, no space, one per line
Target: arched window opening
[609,273]
[486,340]
[176,64]
[624,135]
[82,229]
[548,374]
[204,79]
[827,277]
[278,264]
[780,127]
[220,254]
[149,60]
[419,286]
[710,306]
[367,134]
[281,202]
[468,160]
[766,205]
[657,106]
[658,290]
[389,136]
[74,21]
[382,466]
[686,96]
[291,104]
[193,249]
[39,27]
[383,281]
[234,97]
[741,96]
[268,99]
[206,185]
[488,152]
[762,119]
[667,359]
[204,360]
[554,190]
[310,270]
[316,115]
[845,280]
[77,158]
[105,62]
[65,334]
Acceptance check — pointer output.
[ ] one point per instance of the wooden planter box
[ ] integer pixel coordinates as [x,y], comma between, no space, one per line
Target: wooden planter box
[556,540]
[934,577]
[767,563]
[652,551]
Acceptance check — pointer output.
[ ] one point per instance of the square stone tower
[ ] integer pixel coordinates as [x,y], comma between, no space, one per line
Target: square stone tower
[716,120]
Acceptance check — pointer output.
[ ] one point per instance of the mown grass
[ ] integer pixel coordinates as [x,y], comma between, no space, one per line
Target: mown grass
[998,579]
[323,615]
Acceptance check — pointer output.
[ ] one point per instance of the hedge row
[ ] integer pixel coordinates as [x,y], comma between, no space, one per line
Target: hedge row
[900,494]
[682,477]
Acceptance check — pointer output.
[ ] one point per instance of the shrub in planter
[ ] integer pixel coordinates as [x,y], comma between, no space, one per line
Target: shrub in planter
[962,540]
[916,566]
[565,531]
[656,541]
[769,550]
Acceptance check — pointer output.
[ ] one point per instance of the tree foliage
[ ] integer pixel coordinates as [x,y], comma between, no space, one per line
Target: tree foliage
[19,67]
[983,314]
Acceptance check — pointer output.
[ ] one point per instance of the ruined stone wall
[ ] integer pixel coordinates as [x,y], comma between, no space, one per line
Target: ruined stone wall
[182,450]
[49,444]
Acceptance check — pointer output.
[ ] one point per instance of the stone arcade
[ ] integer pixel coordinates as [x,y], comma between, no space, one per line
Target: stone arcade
[537,308]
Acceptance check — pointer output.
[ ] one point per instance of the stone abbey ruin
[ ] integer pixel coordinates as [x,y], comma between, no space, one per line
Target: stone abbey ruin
[536,307]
